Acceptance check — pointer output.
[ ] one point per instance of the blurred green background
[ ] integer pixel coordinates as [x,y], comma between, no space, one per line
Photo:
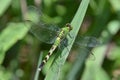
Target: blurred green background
[20,50]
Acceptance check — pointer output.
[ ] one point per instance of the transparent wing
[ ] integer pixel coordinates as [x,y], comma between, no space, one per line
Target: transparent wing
[45,32]
[87,41]
[47,35]
[83,47]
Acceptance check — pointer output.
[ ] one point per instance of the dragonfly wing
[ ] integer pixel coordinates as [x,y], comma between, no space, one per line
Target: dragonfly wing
[84,45]
[87,41]
[45,32]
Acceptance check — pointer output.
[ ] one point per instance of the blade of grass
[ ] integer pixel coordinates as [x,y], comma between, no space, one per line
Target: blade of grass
[37,72]
[53,73]
[78,64]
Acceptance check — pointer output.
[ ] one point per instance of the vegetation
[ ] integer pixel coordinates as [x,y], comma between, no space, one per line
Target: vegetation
[21,52]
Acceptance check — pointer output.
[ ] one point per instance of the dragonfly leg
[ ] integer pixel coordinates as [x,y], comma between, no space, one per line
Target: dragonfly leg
[91,56]
[70,36]
[62,46]
[67,49]
[65,44]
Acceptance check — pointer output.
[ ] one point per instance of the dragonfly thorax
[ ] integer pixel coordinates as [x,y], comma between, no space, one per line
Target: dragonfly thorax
[64,31]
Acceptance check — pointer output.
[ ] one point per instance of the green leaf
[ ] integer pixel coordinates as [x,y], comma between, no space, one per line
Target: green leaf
[94,67]
[37,72]
[4,5]
[9,36]
[2,54]
[78,64]
[53,73]
[115,4]
[4,74]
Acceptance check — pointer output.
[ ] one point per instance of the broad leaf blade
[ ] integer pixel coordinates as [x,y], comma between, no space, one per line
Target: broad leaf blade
[9,36]
[4,5]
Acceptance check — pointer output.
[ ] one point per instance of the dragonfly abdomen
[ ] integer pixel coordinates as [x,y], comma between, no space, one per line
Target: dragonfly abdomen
[57,42]
[47,57]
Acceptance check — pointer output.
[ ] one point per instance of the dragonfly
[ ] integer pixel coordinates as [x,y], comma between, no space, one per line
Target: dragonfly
[52,34]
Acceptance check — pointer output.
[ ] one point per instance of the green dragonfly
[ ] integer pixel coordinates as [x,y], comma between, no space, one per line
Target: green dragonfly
[54,35]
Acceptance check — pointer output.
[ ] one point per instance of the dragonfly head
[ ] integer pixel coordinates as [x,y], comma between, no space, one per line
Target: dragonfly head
[69,26]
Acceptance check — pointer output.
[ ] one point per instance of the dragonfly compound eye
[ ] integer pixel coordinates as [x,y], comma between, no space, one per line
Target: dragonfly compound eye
[69,25]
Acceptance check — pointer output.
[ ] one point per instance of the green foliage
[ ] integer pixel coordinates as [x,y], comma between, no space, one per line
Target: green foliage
[4,6]
[4,74]
[10,36]
[19,51]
